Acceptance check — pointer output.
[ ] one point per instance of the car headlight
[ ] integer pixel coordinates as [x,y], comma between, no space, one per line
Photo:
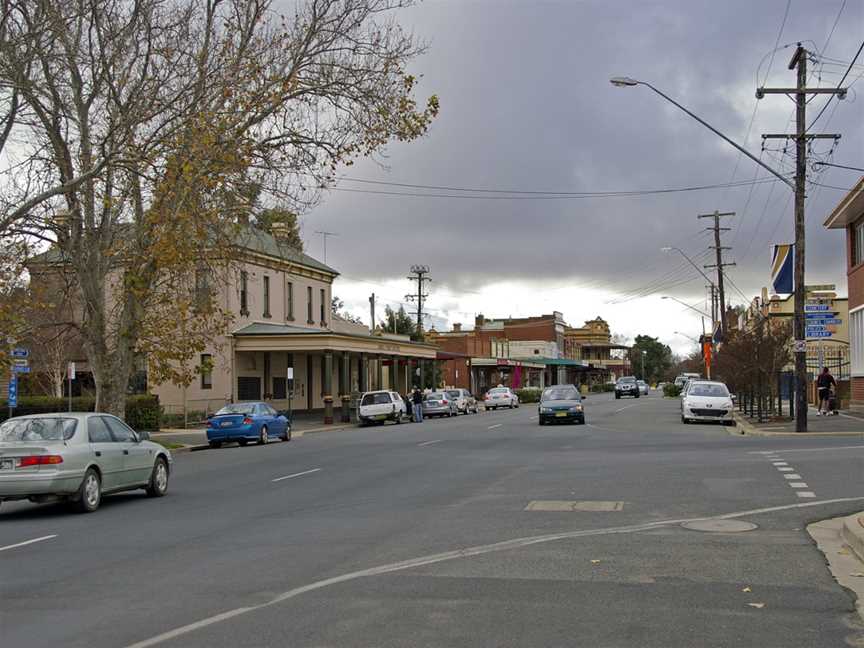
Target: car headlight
[546,410]
[576,408]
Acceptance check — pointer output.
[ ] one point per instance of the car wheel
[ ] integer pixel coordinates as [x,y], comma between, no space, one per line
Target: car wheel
[215,444]
[617,396]
[262,435]
[397,419]
[287,435]
[242,442]
[158,485]
[683,420]
[90,492]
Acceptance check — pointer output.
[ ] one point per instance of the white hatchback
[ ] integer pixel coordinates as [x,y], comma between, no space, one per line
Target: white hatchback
[706,401]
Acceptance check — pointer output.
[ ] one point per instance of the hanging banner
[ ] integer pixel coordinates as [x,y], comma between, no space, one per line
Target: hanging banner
[706,352]
[782,266]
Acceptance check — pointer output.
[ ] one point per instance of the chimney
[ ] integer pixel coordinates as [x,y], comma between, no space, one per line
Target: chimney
[479,321]
[457,327]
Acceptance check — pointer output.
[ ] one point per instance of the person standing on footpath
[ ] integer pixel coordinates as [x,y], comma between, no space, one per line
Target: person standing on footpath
[824,384]
[417,404]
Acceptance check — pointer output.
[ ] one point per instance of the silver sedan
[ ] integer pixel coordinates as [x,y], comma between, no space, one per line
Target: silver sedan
[78,457]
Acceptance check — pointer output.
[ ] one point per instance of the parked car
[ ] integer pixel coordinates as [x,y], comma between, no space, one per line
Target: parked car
[561,403]
[381,406]
[500,397]
[706,400]
[627,386]
[78,457]
[465,401]
[245,422]
[438,403]
[643,387]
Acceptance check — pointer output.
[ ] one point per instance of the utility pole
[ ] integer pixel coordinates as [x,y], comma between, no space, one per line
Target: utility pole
[419,274]
[718,249]
[372,307]
[800,92]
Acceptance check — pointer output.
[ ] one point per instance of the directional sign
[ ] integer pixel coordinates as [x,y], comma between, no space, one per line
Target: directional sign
[20,353]
[819,315]
[819,334]
[827,321]
[17,370]
[12,396]
[817,307]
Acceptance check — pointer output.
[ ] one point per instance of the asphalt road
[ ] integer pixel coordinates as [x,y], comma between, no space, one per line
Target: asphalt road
[418,535]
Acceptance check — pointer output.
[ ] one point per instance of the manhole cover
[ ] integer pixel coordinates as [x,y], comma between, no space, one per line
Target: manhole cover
[719,526]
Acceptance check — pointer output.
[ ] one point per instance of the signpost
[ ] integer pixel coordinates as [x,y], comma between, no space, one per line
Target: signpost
[19,364]
[71,374]
[12,396]
[289,378]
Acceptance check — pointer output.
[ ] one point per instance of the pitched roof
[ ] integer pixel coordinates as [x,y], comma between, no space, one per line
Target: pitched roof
[265,328]
[248,237]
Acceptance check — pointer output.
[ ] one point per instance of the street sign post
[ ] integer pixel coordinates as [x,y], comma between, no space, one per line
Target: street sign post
[20,352]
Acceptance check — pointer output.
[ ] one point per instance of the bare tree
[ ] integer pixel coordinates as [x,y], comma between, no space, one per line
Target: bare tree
[135,129]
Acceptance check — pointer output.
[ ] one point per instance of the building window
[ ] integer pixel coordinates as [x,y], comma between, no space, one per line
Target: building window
[266,296]
[309,319]
[280,388]
[244,293]
[289,301]
[856,342]
[323,317]
[858,243]
[248,388]
[206,369]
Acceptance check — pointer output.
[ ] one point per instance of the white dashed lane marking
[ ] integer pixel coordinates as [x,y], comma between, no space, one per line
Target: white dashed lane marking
[789,475]
[792,476]
[28,542]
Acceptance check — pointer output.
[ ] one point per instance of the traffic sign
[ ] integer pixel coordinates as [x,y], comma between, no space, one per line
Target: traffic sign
[812,308]
[12,395]
[825,321]
[819,334]
[16,369]
[799,346]
[19,353]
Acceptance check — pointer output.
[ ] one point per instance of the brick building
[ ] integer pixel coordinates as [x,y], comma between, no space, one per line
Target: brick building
[848,215]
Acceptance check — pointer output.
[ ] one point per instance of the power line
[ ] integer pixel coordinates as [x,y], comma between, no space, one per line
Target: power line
[839,85]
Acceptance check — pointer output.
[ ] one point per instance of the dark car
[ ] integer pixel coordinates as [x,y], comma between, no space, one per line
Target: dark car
[561,403]
[627,386]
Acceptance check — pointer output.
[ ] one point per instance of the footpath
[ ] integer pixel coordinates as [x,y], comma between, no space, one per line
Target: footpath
[842,424]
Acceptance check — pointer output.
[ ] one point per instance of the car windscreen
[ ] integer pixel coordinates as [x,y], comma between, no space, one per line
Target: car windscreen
[707,389]
[376,399]
[37,430]
[237,408]
[627,380]
[561,394]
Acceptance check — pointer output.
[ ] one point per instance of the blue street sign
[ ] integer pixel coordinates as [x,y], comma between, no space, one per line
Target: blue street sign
[819,315]
[17,369]
[827,321]
[12,396]
[818,334]
[20,353]
[815,307]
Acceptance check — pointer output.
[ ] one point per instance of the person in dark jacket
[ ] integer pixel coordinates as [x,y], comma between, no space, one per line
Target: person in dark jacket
[417,405]
[824,384]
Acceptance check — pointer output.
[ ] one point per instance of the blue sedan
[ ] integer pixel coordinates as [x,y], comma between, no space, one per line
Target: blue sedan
[244,422]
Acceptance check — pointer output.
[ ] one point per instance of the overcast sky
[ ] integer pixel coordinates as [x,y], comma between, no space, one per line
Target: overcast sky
[526,105]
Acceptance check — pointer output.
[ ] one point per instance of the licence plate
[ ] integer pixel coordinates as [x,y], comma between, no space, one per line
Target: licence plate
[7,464]
[226,424]
[562,414]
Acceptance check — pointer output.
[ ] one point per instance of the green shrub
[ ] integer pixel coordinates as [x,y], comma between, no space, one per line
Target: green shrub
[142,411]
[602,387]
[671,390]
[528,395]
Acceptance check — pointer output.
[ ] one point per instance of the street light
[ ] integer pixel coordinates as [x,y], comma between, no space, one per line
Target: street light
[622,82]
[689,260]
[693,308]
[692,339]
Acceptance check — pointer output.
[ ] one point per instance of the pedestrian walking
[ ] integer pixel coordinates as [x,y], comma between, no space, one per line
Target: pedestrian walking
[824,384]
[417,404]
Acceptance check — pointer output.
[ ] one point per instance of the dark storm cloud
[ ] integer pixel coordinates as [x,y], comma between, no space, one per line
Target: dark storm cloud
[526,104]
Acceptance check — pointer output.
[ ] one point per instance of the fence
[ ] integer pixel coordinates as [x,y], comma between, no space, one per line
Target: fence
[775,398]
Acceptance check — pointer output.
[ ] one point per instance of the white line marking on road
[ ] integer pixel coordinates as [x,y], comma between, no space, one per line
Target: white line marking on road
[28,542]
[779,463]
[462,553]
[623,408]
[300,474]
[792,476]
[825,449]
[497,425]
[426,443]
[786,469]
[805,494]
[798,484]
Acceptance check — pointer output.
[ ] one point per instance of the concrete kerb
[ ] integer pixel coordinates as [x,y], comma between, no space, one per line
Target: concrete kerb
[852,533]
[748,429]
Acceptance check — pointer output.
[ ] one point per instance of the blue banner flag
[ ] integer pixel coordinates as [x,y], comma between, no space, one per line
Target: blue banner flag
[782,265]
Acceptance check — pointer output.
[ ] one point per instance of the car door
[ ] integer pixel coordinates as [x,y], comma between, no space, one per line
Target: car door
[262,414]
[107,454]
[137,458]
[278,423]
